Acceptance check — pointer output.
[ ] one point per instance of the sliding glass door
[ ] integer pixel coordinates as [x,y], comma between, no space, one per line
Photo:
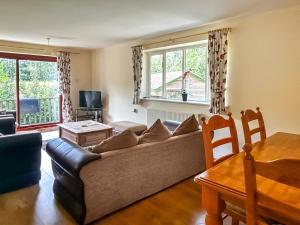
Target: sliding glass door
[31,88]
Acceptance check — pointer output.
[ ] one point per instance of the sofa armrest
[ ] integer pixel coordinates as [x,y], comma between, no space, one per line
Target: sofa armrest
[12,112]
[7,124]
[69,155]
[67,161]
[20,153]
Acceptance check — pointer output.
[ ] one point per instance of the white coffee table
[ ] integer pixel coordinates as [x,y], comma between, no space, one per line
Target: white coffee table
[85,133]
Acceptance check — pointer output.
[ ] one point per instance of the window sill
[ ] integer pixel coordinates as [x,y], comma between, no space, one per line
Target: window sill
[177,101]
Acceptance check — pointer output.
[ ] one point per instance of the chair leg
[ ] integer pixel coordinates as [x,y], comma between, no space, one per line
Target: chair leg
[234,221]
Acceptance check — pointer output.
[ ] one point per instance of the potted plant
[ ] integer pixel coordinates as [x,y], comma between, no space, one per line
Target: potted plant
[185,77]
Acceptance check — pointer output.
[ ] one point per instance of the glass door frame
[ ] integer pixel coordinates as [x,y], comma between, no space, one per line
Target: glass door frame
[19,57]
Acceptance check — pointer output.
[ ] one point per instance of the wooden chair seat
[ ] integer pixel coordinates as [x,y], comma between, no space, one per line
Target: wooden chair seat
[235,211]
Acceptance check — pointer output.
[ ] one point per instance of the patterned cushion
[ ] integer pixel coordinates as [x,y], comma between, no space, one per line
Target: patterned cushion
[125,139]
[157,132]
[189,125]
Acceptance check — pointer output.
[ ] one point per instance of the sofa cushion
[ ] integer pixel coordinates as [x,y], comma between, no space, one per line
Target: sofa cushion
[189,125]
[157,132]
[125,139]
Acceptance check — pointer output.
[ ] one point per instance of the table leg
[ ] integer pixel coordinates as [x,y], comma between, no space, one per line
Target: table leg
[213,205]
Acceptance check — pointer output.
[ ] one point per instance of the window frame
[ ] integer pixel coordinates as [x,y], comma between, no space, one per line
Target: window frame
[31,57]
[163,52]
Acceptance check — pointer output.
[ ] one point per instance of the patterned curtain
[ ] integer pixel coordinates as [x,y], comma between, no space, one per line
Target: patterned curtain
[217,68]
[64,70]
[137,55]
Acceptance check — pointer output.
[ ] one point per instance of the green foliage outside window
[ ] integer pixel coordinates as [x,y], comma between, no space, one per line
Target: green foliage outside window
[196,60]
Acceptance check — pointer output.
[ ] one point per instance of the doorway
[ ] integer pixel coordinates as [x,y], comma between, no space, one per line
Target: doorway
[29,84]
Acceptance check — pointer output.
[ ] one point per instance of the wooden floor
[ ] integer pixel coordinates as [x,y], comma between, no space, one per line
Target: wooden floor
[178,205]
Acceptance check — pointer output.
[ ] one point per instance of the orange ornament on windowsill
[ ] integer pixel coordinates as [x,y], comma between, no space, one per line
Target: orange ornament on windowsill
[184,93]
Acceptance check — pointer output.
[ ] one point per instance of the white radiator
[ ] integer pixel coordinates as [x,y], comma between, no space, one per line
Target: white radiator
[154,114]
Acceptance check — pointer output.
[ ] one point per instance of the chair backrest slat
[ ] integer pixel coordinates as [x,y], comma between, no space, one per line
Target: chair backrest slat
[222,141]
[217,122]
[281,170]
[248,116]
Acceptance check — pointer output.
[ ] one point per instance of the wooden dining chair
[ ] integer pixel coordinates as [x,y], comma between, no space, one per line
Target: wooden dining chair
[217,122]
[281,170]
[248,116]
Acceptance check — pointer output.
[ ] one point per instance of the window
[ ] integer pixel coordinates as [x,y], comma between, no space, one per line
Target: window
[166,69]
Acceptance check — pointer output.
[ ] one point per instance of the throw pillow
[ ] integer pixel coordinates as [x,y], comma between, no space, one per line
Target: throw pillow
[157,132]
[189,125]
[125,139]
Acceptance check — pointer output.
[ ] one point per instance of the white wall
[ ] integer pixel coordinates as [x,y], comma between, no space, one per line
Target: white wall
[263,71]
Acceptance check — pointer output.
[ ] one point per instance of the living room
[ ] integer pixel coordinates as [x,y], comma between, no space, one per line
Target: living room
[155,72]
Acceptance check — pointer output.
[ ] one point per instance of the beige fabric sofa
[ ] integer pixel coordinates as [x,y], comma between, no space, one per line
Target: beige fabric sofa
[121,177]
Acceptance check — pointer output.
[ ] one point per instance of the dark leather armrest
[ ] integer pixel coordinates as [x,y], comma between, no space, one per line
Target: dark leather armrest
[7,124]
[171,124]
[69,155]
[6,115]
[12,112]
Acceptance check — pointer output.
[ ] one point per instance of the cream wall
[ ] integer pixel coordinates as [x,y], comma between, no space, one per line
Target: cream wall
[113,77]
[263,71]
[81,74]
[81,63]
[264,68]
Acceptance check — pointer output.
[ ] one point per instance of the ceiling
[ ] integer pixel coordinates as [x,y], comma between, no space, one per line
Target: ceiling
[99,23]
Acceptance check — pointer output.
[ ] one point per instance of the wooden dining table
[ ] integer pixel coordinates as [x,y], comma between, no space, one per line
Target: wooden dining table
[225,181]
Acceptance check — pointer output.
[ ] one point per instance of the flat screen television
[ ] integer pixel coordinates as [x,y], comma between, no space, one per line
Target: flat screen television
[90,99]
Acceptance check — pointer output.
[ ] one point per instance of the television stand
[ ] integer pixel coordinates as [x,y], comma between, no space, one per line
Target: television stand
[88,114]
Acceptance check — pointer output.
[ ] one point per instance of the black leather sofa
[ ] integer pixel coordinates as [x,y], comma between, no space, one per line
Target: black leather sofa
[171,124]
[20,157]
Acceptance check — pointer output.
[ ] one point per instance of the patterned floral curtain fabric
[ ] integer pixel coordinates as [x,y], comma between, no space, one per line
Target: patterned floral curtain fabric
[217,68]
[137,55]
[64,70]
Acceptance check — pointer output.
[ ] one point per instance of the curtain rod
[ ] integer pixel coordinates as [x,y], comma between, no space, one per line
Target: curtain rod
[183,37]
[36,49]
[174,39]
